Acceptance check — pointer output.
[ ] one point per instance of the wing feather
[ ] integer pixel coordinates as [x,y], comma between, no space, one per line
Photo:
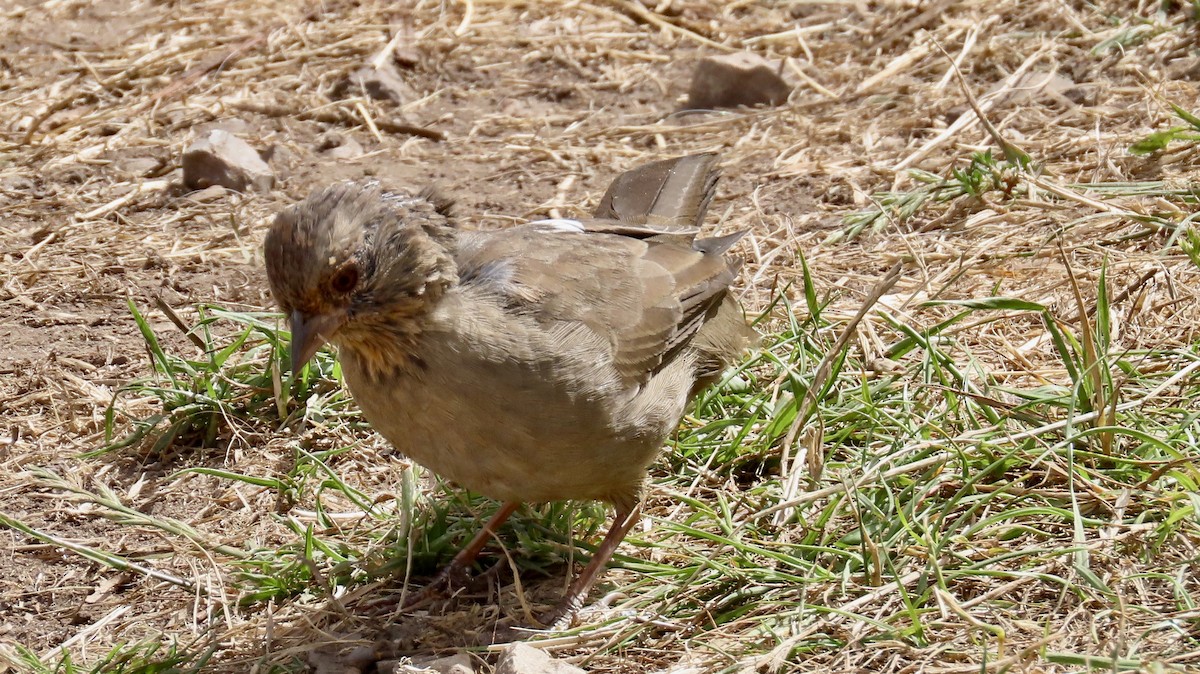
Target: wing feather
[646,298]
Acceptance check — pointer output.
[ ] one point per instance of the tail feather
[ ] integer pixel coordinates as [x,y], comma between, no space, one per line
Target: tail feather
[717,245]
[665,195]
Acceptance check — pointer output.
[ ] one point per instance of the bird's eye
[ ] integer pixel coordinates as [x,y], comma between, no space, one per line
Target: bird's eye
[344,280]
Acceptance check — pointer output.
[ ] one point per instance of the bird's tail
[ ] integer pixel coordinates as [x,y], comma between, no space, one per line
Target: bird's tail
[666,195]
[667,200]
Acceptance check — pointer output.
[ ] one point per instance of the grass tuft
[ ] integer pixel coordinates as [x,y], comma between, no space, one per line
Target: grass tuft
[234,388]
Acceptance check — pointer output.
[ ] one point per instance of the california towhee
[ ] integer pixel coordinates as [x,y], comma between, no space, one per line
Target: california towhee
[543,362]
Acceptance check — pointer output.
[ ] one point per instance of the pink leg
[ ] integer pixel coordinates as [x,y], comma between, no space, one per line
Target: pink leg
[457,569]
[466,557]
[573,600]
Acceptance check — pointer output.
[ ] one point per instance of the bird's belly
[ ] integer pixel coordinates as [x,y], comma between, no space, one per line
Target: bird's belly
[509,436]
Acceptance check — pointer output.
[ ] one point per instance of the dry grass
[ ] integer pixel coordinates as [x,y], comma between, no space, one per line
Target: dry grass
[968,497]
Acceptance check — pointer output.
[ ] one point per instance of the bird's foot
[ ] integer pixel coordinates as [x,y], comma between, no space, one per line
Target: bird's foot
[560,617]
[442,586]
[450,582]
[445,584]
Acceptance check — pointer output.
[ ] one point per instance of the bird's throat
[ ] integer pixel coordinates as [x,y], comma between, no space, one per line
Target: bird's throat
[383,349]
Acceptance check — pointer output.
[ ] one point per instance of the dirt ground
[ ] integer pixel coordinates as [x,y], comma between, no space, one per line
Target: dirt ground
[536,107]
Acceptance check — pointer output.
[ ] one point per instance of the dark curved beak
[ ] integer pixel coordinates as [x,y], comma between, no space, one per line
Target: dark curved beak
[309,332]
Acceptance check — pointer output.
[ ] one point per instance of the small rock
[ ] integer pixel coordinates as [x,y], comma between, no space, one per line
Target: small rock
[282,158]
[730,80]
[337,146]
[232,125]
[382,83]
[404,53]
[454,664]
[1186,68]
[330,660]
[459,663]
[223,159]
[17,183]
[1036,85]
[406,57]
[137,167]
[210,193]
[521,658]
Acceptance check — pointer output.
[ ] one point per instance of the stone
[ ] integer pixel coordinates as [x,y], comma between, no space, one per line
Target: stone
[210,193]
[234,125]
[455,664]
[17,183]
[1039,86]
[519,658]
[1184,68]
[282,158]
[742,78]
[383,83]
[404,51]
[338,146]
[137,167]
[332,660]
[220,158]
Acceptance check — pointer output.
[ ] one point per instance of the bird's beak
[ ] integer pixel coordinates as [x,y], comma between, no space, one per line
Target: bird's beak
[309,332]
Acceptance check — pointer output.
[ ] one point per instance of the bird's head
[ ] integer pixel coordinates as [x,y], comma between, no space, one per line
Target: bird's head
[357,266]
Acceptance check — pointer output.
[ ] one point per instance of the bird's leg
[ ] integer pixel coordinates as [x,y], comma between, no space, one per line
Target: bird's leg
[457,568]
[577,593]
[466,557]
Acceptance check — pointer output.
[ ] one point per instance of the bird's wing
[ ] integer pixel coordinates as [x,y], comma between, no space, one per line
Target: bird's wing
[646,297]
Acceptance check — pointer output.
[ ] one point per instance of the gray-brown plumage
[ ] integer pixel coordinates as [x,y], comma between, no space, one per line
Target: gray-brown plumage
[543,362]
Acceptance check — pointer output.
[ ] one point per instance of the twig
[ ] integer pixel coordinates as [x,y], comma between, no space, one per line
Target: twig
[191,77]
[49,112]
[339,117]
[1012,153]
[816,86]
[901,62]
[639,13]
[968,45]
[824,368]
[1155,223]
[1129,290]
[966,121]
[125,199]
[932,12]
[174,318]
[368,120]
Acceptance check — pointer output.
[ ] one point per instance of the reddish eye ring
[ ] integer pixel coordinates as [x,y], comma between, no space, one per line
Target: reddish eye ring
[344,280]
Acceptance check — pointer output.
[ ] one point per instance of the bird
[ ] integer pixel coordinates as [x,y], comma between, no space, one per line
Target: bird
[542,362]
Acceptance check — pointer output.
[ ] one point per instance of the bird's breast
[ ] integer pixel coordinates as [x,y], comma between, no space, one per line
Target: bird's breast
[505,408]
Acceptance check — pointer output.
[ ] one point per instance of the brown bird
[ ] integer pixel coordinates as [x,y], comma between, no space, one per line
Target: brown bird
[543,362]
